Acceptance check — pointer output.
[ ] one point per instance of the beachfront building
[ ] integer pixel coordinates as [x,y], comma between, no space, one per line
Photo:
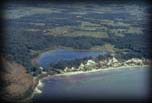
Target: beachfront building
[114,62]
[102,63]
[66,69]
[90,64]
[41,68]
[81,67]
[134,61]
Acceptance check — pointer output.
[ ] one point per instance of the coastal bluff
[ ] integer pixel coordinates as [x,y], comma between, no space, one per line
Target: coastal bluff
[17,83]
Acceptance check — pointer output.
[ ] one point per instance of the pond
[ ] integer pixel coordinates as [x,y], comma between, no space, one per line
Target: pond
[60,54]
[126,83]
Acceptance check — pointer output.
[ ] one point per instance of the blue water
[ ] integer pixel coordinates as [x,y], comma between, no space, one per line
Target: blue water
[113,84]
[60,54]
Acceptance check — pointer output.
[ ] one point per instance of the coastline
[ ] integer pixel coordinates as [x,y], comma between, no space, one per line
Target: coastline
[135,62]
[40,83]
[37,88]
[94,70]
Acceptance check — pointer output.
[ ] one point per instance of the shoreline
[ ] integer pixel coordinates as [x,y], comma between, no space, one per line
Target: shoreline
[40,84]
[40,77]
[94,70]
[37,88]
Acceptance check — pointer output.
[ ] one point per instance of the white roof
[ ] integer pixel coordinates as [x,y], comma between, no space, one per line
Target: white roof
[90,62]
[81,65]
[41,68]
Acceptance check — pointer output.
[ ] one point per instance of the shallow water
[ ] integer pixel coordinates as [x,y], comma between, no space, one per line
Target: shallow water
[60,54]
[118,84]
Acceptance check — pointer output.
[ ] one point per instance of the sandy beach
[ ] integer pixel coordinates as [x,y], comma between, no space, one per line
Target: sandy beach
[96,70]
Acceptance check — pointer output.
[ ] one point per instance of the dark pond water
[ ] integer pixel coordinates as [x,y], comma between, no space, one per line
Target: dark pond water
[116,84]
[60,54]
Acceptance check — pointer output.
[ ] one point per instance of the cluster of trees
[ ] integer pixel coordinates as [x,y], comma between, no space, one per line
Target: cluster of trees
[137,45]
[19,45]
[76,62]
[103,57]
[68,63]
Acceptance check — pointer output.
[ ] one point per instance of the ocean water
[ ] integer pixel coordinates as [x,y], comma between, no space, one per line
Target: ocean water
[123,83]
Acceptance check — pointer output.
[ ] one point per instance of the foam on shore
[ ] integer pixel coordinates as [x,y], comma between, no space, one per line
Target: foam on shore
[40,84]
[37,91]
[37,88]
